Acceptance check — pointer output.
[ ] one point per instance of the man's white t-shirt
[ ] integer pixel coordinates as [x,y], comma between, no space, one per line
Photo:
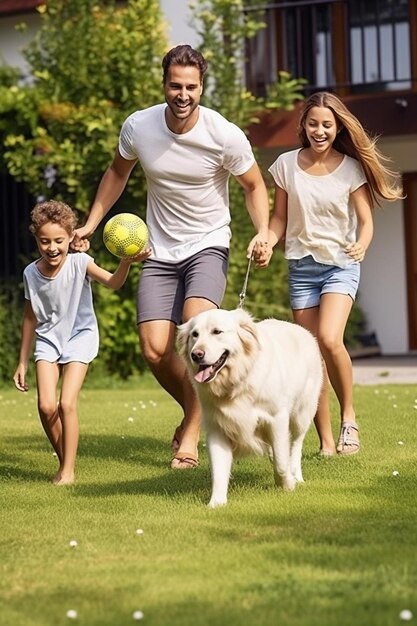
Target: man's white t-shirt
[321,218]
[187,178]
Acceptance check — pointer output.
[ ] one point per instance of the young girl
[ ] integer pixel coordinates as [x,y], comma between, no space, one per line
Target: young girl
[324,196]
[59,311]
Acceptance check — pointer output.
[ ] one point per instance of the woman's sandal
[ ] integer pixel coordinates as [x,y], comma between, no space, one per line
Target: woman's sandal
[348,444]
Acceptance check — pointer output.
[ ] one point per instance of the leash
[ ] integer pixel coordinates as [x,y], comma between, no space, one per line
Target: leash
[242,294]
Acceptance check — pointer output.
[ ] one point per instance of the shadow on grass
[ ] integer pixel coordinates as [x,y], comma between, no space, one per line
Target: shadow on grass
[172,483]
[12,472]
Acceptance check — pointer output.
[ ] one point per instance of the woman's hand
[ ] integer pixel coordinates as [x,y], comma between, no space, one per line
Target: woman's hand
[356,251]
[261,252]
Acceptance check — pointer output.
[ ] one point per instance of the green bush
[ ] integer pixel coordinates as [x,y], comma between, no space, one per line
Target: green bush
[11,313]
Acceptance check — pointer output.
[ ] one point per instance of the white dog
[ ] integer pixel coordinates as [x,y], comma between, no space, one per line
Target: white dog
[258,385]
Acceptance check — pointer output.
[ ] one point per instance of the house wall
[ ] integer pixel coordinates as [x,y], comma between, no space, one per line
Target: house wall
[176,12]
[12,41]
[383,288]
[178,15]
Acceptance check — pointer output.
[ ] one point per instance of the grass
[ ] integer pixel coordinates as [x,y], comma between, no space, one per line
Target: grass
[340,550]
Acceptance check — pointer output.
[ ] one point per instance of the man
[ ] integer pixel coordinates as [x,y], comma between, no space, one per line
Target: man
[187,152]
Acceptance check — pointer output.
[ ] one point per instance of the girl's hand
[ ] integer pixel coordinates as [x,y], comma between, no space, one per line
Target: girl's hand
[139,257]
[81,242]
[356,251]
[19,378]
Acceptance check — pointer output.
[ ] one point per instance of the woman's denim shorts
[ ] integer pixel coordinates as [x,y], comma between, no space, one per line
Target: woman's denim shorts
[309,280]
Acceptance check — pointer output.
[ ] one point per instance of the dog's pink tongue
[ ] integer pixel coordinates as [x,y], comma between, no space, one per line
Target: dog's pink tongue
[203,375]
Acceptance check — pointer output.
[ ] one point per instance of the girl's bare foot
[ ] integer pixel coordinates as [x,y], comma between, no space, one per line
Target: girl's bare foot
[64,479]
[56,478]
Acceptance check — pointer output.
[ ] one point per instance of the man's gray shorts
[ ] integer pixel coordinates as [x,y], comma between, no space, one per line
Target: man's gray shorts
[164,287]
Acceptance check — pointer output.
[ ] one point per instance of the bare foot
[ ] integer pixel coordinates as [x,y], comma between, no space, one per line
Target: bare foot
[65,479]
[57,477]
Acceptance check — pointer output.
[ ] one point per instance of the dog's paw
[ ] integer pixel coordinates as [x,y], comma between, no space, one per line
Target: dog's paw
[288,483]
[216,502]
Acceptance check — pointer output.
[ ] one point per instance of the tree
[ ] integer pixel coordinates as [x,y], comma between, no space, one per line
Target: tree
[93,62]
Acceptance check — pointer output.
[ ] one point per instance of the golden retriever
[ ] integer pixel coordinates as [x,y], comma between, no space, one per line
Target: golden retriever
[258,384]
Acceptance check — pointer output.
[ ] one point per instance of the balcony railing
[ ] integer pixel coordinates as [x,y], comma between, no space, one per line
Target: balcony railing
[355,46]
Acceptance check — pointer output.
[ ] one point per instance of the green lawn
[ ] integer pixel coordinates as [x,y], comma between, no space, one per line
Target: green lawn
[339,551]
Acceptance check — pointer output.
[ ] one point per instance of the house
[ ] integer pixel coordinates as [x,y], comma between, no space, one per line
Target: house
[13,12]
[366,52]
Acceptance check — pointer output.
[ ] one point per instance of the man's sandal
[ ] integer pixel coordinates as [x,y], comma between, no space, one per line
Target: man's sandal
[348,444]
[190,460]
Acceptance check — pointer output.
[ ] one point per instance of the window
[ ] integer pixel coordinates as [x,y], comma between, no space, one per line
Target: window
[362,45]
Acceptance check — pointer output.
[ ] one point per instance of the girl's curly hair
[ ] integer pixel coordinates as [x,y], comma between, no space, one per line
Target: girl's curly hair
[53,211]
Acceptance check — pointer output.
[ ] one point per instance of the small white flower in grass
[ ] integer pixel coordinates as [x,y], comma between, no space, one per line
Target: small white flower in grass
[130,419]
[54,454]
[400,443]
[394,406]
[139,531]
[406,615]
[73,543]
[71,614]
[138,615]
[134,408]
[395,473]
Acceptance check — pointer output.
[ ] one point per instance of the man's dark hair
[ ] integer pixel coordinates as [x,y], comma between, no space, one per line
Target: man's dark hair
[185,56]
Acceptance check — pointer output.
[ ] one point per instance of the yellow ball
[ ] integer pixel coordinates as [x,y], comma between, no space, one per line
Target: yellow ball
[125,235]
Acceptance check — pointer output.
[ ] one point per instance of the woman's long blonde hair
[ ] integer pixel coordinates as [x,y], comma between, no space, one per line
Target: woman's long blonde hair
[352,140]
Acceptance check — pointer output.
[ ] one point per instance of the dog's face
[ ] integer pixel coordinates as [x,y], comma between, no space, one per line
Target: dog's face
[216,344]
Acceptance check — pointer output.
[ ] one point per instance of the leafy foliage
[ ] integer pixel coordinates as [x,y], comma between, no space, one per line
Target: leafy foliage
[70,120]
[284,92]
[93,63]
[11,306]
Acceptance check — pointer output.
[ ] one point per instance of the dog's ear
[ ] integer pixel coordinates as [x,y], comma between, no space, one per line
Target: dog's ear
[247,331]
[182,337]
